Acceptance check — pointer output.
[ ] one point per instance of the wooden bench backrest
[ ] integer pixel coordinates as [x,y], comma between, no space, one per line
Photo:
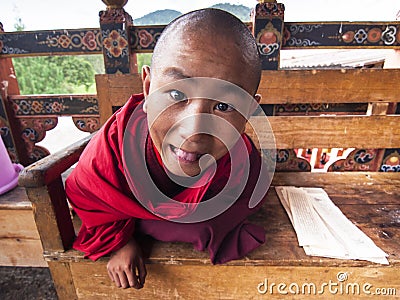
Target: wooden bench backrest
[378,87]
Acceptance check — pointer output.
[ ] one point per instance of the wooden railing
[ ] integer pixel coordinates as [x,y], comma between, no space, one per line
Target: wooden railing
[25,119]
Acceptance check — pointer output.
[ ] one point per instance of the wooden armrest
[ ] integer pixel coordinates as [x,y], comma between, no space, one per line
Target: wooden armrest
[45,189]
[51,167]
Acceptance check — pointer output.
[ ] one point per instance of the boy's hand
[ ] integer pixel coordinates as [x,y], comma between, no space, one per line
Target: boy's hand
[123,264]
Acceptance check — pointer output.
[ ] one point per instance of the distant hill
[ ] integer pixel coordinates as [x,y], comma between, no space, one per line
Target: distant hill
[240,11]
[158,17]
[167,15]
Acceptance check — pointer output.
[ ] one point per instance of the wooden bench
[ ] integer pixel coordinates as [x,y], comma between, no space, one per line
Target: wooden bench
[371,200]
[19,239]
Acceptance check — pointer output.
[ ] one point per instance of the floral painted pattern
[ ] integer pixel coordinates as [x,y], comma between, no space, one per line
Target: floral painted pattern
[45,41]
[87,124]
[64,41]
[314,35]
[115,43]
[89,41]
[56,105]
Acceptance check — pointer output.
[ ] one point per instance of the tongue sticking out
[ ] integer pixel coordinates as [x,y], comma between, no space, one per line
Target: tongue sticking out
[188,156]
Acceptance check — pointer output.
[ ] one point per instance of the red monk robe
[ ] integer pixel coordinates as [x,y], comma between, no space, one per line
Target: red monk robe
[98,190]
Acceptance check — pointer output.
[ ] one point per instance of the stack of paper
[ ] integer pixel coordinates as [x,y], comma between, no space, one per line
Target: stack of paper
[323,230]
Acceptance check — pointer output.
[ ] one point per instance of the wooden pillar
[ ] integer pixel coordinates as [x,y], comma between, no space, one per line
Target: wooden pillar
[114,24]
[8,128]
[390,157]
[392,61]
[267,19]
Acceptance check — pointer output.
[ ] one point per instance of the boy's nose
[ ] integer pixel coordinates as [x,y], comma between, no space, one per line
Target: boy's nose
[196,122]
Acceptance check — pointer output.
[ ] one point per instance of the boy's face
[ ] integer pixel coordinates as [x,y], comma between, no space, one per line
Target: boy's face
[192,120]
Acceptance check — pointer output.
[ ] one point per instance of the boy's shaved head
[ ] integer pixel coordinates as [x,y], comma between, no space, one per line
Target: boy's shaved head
[219,29]
[193,104]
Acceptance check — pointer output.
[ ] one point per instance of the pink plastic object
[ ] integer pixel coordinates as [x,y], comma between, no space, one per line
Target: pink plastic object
[8,171]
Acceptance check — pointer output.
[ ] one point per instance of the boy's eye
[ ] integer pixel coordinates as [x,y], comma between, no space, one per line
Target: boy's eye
[224,107]
[177,95]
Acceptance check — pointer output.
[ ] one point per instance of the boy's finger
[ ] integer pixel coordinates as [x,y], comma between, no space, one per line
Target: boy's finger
[142,272]
[123,280]
[110,274]
[132,278]
[136,283]
[116,279]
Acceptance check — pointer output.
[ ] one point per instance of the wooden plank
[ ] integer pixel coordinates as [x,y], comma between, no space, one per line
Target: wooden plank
[327,132]
[51,167]
[300,35]
[18,224]
[19,240]
[340,180]
[175,268]
[50,42]
[15,199]
[339,35]
[240,282]
[63,281]
[115,90]
[21,252]
[52,216]
[330,86]
[283,87]
[54,105]
[374,212]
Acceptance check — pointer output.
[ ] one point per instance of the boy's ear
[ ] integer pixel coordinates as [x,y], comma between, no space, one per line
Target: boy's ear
[146,84]
[255,104]
[146,80]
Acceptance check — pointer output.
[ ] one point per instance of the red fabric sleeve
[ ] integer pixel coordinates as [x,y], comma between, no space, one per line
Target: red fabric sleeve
[101,240]
[99,193]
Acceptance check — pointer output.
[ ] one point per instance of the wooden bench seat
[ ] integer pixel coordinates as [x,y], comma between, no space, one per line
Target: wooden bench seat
[369,199]
[379,219]
[19,239]
[177,269]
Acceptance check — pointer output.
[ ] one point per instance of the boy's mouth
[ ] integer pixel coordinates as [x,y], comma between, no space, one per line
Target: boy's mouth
[185,156]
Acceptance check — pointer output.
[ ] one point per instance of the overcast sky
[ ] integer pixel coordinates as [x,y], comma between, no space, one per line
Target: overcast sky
[69,14]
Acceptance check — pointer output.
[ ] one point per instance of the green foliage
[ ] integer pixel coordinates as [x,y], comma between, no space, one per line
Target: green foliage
[143,59]
[97,61]
[19,26]
[53,74]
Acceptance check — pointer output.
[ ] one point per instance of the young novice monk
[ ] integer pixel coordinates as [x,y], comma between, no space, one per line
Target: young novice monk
[105,191]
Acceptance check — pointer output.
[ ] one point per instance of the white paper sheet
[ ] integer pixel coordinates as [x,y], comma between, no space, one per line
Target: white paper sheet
[323,230]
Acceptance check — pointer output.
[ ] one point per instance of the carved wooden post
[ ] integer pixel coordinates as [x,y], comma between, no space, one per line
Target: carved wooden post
[114,23]
[267,19]
[8,85]
[268,27]
[5,130]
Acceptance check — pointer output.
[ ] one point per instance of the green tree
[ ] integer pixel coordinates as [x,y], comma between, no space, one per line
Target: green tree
[53,74]
[143,59]
[97,61]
